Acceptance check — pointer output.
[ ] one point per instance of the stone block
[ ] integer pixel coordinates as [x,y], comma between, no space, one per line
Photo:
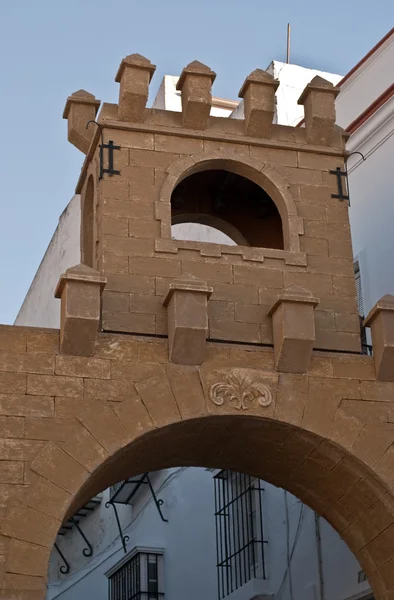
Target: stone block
[80,290]
[318,99]
[27,559]
[81,107]
[381,322]
[195,85]
[293,329]
[187,314]
[134,75]
[258,93]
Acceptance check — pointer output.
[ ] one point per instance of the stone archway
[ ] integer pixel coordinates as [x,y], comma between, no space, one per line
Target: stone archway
[324,436]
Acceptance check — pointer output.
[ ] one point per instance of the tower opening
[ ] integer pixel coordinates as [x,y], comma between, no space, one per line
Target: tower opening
[226,208]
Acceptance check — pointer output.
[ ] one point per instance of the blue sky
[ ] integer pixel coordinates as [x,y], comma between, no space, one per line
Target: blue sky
[49,49]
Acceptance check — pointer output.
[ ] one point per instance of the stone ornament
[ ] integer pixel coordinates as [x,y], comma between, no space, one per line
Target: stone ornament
[240,391]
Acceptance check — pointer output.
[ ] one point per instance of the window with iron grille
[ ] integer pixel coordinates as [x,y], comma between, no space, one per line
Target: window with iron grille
[239,530]
[139,578]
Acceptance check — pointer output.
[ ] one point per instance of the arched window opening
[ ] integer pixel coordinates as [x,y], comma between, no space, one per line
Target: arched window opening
[225,208]
[87,225]
[198,232]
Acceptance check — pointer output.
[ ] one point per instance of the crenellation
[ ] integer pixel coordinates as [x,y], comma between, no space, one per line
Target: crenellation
[258,93]
[81,107]
[134,75]
[195,85]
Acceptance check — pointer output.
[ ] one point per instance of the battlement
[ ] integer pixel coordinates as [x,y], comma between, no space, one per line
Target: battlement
[271,189]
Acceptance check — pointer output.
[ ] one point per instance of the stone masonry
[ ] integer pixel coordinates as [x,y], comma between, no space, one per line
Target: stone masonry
[183,353]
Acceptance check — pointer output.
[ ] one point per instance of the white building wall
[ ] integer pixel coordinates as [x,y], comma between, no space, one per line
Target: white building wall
[293,79]
[40,308]
[366,84]
[188,539]
[189,543]
[371,185]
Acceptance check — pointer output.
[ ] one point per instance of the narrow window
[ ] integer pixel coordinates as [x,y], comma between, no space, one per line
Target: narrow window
[239,530]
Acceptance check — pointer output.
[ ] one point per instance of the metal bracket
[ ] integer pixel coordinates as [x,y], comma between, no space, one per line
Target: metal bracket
[339,174]
[158,501]
[110,147]
[124,538]
[86,551]
[143,480]
[64,569]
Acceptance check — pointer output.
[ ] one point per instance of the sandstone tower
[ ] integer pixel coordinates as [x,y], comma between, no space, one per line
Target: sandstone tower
[269,187]
[171,352]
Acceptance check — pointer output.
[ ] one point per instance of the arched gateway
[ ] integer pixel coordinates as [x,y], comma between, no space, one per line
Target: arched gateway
[184,353]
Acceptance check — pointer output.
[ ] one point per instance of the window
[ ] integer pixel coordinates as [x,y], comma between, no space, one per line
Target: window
[239,530]
[138,577]
[228,203]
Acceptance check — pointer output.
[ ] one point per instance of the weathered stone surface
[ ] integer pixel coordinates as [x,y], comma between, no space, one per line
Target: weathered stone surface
[80,108]
[293,329]
[195,85]
[381,322]
[79,290]
[187,314]
[134,75]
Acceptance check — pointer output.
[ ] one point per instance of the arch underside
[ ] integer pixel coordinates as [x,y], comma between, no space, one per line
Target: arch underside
[325,476]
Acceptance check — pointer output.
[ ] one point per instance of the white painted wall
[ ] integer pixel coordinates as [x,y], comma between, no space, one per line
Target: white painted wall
[293,79]
[366,84]
[189,543]
[371,185]
[40,308]
[188,539]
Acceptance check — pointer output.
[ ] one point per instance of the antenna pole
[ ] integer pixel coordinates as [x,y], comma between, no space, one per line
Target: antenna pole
[288,44]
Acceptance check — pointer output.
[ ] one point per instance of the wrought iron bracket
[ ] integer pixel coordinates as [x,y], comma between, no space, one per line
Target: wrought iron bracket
[158,501]
[110,147]
[64,569]
[341,195]
[144,480]
[339,174]
[346,171]
[124,538]
[86,551]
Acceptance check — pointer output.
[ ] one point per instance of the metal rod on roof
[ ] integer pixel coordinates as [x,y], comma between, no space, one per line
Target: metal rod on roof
[288,44]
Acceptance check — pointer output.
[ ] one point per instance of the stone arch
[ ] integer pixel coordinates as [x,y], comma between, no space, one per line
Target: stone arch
[87,224]
[265,176]
[161,426]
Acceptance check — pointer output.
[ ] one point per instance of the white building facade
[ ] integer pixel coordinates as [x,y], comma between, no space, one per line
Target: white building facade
[191,532]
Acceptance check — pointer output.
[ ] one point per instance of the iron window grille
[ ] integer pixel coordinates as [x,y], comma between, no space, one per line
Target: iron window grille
[239,530]
[138,578]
